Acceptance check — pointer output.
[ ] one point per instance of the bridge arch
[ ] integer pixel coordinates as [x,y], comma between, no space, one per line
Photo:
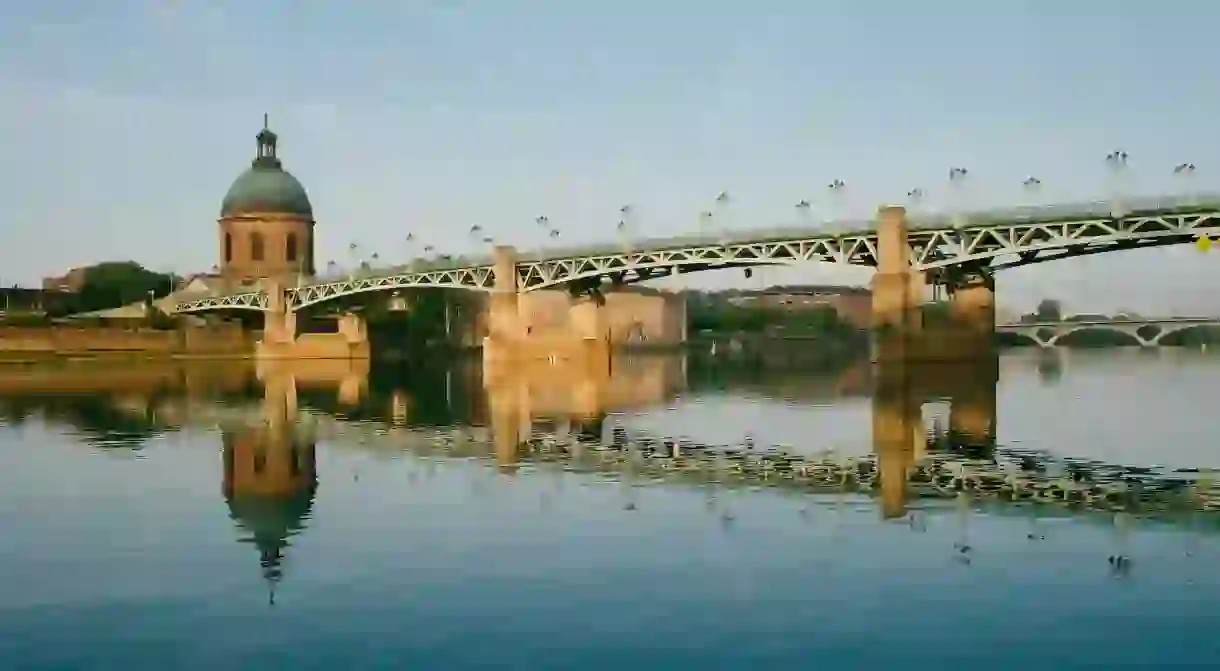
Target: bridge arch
[250,301]
[1177,335]
[1030,235]
[1066,336]
[635,273]
[301,299]
[1034,242]
[1025,338]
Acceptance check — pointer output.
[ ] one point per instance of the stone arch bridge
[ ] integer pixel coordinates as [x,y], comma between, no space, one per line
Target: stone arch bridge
[1144,332]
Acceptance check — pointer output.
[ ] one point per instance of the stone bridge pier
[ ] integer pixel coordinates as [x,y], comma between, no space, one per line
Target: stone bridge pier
[901,331]
[580,345]
[900,435]
[281,339]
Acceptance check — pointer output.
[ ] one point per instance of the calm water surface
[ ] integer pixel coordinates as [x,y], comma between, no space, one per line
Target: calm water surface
[201,519]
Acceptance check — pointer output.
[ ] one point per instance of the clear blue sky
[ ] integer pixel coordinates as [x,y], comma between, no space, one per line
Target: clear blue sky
[122,122]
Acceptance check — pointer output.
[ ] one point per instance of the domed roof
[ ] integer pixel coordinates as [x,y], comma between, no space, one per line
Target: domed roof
[266,188]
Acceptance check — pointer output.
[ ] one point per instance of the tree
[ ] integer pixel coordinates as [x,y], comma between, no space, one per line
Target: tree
[117,283]
[1049,310]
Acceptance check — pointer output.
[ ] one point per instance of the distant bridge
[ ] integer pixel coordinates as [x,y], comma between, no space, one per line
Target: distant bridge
[1145,332]
[995,239]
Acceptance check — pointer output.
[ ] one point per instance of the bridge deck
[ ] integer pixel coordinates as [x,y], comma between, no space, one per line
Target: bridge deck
[1148,221]
[916,221]
[1152,321]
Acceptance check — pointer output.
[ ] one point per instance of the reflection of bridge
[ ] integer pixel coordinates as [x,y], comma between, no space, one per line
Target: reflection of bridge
[538,424]
[548,423]
[1145,332]
[996,239]
[539,421]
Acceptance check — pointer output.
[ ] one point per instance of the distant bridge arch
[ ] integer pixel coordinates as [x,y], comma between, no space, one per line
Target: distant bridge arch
[1143,332]
[1068,337]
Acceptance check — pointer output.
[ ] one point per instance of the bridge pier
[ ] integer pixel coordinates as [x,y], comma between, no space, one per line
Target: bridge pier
[581,343]
[281,340]
[898,290]
[972,310]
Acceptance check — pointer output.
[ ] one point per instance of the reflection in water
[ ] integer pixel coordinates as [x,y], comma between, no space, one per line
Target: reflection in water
[269,485]
[934,464]
[526,420]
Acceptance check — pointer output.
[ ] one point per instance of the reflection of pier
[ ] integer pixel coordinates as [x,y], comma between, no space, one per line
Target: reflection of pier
[534,422]
[577,402]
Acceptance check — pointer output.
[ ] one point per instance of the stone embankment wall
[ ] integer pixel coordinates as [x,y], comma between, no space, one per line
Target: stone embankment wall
[92,341]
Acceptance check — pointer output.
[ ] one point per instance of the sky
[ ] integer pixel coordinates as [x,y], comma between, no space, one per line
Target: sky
[123,123]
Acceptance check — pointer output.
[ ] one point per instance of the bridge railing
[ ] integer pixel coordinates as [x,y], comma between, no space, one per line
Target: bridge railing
[1165,204]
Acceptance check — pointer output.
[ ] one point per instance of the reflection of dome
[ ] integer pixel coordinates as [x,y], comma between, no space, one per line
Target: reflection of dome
[271,521]
[269,485]
[266,188]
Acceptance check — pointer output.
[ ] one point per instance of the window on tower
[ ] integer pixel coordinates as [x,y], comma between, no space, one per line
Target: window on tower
[228,252]
[290,248]
[256,247]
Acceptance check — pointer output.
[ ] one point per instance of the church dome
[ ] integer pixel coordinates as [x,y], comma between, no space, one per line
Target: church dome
[266,188]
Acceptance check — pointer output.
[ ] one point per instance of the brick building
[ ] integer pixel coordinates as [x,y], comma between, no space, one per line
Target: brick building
[853,304]
[69,282]
[266,224]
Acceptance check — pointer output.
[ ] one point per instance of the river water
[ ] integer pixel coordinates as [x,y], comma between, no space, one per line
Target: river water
[408,518]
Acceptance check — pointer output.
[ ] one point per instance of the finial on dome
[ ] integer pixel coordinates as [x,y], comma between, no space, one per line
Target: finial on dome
[266,145]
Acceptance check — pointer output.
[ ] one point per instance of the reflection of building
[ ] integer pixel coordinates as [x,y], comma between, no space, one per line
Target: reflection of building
[266,221]
[269,485]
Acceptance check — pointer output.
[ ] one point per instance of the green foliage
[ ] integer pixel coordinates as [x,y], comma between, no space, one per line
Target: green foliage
[731,319]
[936,313]
[115,284]
[1049,310]
[422,325]
[1193,337]
[723,318]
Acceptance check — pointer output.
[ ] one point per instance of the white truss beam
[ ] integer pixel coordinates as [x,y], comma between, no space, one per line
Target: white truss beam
[999,244]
